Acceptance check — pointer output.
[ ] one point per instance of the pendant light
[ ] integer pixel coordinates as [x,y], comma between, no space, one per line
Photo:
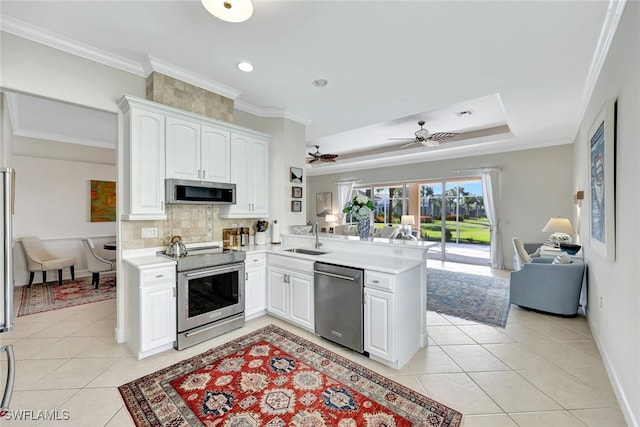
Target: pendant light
[229,10]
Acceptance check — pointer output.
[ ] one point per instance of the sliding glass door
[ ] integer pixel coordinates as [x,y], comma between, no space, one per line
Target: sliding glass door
[447,211]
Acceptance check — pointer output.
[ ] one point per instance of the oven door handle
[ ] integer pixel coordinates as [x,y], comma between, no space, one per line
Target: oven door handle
[199,273]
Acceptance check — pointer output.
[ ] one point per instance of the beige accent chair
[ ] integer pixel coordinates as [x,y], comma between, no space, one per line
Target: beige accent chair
[387,232]
[40,259]
[521,255]
[95,263]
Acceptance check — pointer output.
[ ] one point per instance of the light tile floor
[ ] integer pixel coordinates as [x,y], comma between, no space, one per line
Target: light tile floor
[539,370]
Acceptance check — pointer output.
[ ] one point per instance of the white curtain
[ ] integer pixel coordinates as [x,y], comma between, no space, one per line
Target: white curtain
[344,194]
[490,189]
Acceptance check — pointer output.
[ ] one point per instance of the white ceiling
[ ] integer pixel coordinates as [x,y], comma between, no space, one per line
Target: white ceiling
[524,67]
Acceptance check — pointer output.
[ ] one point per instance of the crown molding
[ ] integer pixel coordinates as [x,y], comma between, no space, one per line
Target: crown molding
[56,41]
[609,28]
[39,35]
[154,64]
[256,110]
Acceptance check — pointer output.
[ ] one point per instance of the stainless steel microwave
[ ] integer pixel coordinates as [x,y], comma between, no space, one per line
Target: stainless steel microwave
[187,192]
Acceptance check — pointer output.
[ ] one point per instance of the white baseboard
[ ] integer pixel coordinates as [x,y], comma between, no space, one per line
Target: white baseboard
[623,401]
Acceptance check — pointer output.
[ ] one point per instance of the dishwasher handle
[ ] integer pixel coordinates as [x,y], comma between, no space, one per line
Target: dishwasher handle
[337,276]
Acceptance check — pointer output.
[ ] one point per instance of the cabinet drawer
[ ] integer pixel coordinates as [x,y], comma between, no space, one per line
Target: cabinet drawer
[255,260]
[376,280]
[154,276]
[291,263]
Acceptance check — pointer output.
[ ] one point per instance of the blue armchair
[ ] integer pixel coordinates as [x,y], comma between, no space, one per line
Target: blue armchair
[548,287]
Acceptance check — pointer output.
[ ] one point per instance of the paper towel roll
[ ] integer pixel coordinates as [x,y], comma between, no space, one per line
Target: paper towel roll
[275,233]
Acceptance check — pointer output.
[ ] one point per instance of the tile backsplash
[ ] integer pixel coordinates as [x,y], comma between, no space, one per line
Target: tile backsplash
[194,223]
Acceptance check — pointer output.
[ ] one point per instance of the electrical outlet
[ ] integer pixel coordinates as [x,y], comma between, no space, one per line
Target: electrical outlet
[149,232]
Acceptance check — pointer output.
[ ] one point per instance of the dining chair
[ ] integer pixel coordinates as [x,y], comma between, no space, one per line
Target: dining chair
[95,263]
[40,259]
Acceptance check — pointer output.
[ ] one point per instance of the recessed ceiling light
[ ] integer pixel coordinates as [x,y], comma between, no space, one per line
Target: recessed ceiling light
[464,113]
[229,10]
[245,66]
[320,83]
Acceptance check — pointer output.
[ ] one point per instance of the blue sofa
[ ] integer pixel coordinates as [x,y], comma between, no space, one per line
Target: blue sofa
[544,286]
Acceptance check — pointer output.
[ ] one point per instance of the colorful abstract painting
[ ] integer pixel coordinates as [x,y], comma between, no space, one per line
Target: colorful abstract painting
[103,201]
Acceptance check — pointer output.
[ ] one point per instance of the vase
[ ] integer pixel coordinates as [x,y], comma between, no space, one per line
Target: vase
[363,228]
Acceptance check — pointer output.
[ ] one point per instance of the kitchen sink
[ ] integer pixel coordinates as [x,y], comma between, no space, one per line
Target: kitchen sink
[305,251]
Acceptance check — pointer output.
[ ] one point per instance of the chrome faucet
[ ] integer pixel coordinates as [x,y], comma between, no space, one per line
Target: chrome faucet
[318,244]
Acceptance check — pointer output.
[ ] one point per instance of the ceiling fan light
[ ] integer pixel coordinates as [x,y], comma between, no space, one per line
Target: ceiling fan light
[423,134]
[229,10]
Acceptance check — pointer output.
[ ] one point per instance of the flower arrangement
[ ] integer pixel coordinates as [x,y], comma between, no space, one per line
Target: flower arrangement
[360,207]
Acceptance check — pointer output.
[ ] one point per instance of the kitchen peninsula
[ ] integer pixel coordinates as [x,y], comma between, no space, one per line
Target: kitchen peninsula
[280,282]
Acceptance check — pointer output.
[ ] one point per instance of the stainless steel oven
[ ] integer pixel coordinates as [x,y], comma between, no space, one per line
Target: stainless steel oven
[210,294]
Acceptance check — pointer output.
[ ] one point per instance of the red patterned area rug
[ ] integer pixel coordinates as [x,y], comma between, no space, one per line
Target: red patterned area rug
[274,378]
[49,296]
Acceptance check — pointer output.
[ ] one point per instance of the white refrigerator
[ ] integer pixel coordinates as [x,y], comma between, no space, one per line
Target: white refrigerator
[7,199]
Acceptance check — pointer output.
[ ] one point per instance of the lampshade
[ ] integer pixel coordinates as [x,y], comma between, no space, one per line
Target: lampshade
[330,218]
[229,10]
[407,220]
[559,225]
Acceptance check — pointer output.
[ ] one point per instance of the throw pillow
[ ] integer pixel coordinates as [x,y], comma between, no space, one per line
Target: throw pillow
[563,258]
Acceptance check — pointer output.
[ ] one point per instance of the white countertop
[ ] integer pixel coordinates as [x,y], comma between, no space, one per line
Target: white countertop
[366,261]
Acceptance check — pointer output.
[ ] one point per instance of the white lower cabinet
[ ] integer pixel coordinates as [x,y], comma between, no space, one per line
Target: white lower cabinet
[255,300]
[151,313]
[378,323]
[290,290]
[393,311]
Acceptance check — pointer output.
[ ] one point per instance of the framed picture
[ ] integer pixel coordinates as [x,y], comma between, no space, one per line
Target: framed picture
[323,204]
[296,192]
[295,175]
[296,206]
[103,201]
[602,161]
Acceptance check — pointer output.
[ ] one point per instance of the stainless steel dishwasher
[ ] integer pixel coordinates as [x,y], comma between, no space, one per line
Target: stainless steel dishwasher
[338,297]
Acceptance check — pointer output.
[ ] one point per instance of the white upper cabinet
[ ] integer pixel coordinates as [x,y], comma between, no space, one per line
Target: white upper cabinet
[250,173]
[197,152]
[165,142]
[215,154]
[144,161]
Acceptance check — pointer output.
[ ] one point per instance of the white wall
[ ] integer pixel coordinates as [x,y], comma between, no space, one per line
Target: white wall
[40,70]
[616,325]
[535,185]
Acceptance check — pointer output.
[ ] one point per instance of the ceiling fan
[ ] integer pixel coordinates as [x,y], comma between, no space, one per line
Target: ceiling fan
[317,156]
[426,138]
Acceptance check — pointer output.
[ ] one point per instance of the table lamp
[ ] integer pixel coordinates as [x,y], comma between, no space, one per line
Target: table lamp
[407,221]
[330,219]
[561,230]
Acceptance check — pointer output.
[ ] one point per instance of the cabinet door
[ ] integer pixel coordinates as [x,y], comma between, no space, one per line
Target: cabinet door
[215,154]
[241,174]
[157,315]
[146,164]
[378,323]
[301,309]
[255,291]
[260,179]
[277,292]
[183,149]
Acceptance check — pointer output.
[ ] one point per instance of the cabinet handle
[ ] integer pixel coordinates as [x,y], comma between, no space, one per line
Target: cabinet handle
[159,276]
[365,299]
[199,174]
[204,174]
[375,281]
[174,291]
[162,205]
[246,276]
